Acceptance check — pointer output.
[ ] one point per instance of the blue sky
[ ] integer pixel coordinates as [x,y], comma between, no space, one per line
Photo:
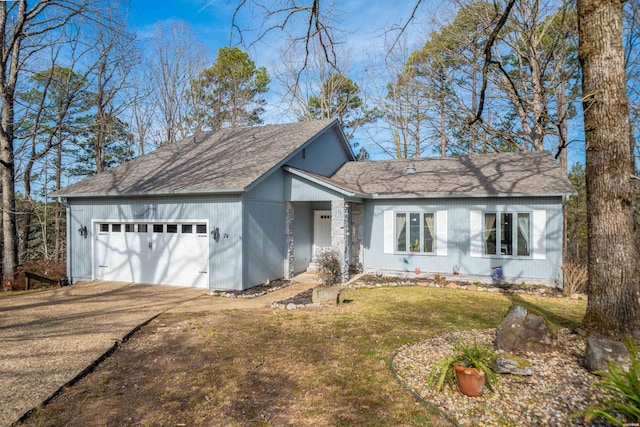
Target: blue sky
[364,25]
[364,21]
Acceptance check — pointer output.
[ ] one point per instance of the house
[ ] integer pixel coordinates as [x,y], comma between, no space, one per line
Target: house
[233,208]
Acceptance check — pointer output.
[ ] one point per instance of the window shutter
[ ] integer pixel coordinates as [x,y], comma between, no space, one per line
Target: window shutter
[441,233]
[476,234]
[539,234]
[388,232]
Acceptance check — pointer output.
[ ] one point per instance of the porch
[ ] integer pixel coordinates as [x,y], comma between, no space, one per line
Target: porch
[320,215]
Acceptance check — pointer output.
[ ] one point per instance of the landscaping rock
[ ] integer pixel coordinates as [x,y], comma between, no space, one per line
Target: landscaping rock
[522,330]
[513,365]
[327,295]
[600,349]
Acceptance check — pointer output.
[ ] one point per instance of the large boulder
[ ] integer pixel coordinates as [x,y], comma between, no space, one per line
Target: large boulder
[601,349]
[522,330]
[328,295]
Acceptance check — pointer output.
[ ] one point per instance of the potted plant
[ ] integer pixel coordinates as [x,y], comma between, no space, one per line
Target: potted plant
[415,246]
[470,366]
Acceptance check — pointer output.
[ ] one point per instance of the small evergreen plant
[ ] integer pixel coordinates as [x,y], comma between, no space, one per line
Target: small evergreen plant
[623,386]
[478,356]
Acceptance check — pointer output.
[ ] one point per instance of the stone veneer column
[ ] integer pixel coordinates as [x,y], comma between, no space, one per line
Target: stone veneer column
[356,234]
[340,234]
[288,233]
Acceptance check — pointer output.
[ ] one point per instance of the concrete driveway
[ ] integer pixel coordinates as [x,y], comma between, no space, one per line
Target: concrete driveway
[49,338]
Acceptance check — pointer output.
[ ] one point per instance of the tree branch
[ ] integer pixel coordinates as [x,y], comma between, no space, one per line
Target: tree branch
[488,59]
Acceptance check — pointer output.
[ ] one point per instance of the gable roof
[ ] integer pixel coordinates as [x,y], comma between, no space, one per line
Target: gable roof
[501,174]
[326,182]
[225,161]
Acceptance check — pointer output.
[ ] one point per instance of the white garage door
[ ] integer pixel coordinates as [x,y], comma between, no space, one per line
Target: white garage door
[169,253]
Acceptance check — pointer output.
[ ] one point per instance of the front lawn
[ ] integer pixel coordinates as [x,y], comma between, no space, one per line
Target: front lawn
[314,367]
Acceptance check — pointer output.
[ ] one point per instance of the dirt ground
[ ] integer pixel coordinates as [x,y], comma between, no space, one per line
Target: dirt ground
[46,268]
[268,367]
[242,368]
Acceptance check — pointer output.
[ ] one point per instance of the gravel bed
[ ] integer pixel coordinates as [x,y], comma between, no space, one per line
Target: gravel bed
[559,387]
[301,300]
[256,291]
[456,282]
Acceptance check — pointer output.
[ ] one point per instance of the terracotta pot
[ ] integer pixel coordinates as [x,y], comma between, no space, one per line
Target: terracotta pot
[470,381]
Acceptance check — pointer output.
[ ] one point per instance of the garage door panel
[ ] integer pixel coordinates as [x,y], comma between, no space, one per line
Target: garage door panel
[155,256]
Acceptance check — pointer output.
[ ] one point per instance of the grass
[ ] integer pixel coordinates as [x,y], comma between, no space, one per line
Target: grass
[274,367]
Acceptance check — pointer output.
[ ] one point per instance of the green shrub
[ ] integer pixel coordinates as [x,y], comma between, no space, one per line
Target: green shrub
[623,407]
[479,356]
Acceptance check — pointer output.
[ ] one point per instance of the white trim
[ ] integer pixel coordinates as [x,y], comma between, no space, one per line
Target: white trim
[441,233]
[388,232]
[539,237]
[475,227]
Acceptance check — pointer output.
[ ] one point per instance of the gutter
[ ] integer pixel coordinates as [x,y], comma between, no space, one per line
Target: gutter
[465,195]
[157,193]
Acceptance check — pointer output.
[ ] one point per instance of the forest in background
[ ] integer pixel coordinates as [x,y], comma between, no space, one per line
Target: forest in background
[84,93]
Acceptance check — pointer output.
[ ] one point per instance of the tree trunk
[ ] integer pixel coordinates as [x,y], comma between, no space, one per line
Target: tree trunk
[57,228]
[27,211]
[613,309]
[443,129]
[9,232]
[563,130]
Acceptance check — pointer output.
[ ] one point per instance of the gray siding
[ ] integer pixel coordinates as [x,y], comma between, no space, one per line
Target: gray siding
[271,188]
[302,235]
[323,156]
[458,256]
[263,242]
[224,212]
[298,189]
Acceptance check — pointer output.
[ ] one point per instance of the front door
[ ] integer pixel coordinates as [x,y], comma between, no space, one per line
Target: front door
[321,230]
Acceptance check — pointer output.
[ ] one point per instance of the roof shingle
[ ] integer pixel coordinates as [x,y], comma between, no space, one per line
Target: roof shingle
[228,160]
[499,174]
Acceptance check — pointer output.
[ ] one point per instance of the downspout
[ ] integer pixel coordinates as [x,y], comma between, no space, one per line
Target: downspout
[69,239]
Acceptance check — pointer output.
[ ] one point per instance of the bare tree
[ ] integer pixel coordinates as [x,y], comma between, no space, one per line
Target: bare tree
[22,28]
[176,59]
[403,104]
[54,100]
[316,34]
[115,56]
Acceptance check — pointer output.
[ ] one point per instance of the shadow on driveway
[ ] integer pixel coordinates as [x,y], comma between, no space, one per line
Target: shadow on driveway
[49,338]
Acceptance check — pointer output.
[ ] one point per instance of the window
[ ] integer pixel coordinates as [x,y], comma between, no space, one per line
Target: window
[116,228]
[507,234]
[172,228]
[142,228]
[421,232]
[201,228]
[104,228]
[128,228]
[158,228]
[187,228]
